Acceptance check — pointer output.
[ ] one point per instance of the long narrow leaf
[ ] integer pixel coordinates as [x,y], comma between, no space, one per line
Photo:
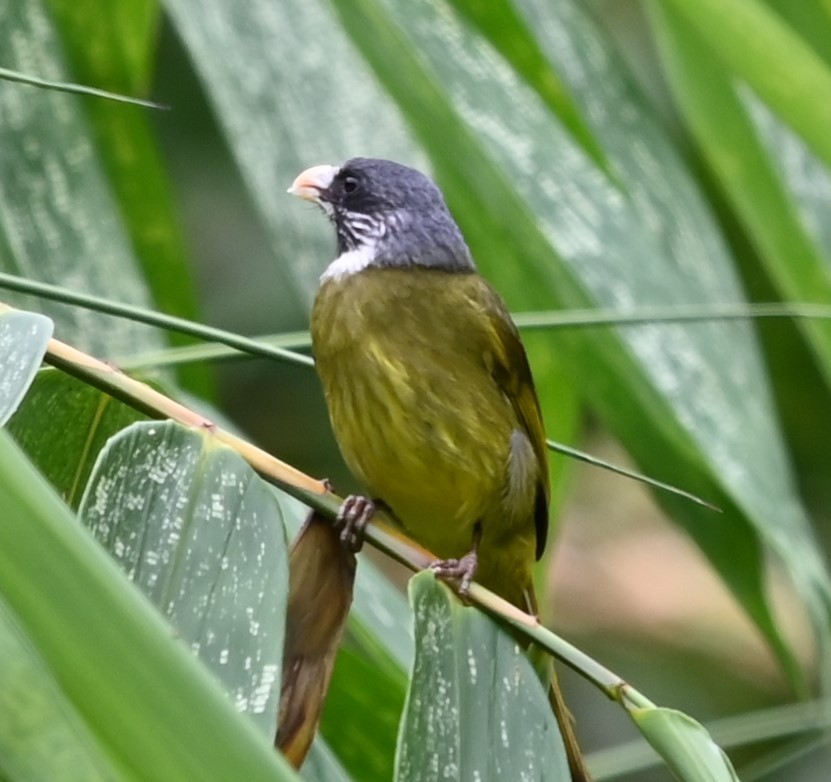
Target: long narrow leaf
[138,688]
[797,84]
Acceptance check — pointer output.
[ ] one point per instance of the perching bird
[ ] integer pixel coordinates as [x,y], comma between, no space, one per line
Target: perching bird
[427,383]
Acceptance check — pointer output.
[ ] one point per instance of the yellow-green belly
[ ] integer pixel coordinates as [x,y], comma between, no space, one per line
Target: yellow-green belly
[419,419]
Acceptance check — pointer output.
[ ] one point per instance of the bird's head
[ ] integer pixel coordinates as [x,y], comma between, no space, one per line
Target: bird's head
[385,215]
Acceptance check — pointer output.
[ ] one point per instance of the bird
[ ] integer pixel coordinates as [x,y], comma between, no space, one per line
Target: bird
[428,386]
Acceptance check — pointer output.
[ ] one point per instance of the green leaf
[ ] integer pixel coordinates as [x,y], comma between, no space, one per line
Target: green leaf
[722,117]
[23,340]
[74,89]
[762,168]
[41,734]
[685,745]
[59,221]
[475,708]
[120,45]
[153,708]
[202,536]
[86,419]
[797,84]
[366,746]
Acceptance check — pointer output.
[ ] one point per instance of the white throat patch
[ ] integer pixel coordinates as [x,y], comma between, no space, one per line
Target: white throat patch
[350,262]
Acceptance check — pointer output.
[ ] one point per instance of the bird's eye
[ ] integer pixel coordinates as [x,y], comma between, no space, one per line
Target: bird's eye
[350,184]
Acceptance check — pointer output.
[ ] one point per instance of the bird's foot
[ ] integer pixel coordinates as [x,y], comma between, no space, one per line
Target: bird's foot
[462,569]
[353,516]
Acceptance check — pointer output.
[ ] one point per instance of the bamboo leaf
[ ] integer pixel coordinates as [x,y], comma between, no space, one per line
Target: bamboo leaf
[23,340]
[74,89]
[685,746]
[797,84]
[42,736]
[116,50]
[762,168]
[475,708]
[202,536]
[136,685]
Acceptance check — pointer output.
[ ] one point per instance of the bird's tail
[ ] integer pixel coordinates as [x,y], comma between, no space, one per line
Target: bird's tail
[576,761]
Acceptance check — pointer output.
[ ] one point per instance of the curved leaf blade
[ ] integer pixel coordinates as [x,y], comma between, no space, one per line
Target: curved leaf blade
[798,88]
[135,684]
[754,161]
[202,536]
[685,745]
[42,736]
[475,708]
[23,340]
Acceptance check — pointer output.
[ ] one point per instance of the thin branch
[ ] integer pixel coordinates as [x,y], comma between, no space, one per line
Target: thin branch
[673,313]
[77,89]
[595,461]
[151,318]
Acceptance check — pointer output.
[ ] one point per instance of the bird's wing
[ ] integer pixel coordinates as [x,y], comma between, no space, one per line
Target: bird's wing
[509,368]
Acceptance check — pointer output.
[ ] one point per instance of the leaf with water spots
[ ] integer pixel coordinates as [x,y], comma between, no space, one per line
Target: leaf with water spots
[476,710]
[202,536]
[23,340]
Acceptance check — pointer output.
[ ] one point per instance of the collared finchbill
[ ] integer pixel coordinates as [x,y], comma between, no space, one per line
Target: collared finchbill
[311,182]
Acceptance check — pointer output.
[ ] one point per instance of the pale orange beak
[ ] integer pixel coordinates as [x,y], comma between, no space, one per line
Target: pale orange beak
[312,182]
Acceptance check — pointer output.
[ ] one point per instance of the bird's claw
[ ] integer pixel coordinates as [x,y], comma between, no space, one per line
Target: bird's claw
[463,569]
[354,514]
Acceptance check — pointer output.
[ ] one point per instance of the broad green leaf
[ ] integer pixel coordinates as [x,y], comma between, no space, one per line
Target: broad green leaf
[85,417]
[23,340]
[476,709]
[41,734]
[685,746]
[381,623]
[796,84]
[811,21]
[58,219]
[689,401]
[156,712]
[202,536]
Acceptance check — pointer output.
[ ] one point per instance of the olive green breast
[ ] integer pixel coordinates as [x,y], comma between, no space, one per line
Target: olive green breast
[406,359]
